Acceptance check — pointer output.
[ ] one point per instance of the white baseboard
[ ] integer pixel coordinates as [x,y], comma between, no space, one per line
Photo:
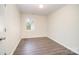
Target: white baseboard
[15,47]
[74,50]
[33,37]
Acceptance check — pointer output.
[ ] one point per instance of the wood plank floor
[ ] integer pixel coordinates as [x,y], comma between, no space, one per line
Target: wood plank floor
[41,46]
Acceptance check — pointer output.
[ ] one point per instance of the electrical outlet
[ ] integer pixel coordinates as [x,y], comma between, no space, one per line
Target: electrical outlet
[5,29]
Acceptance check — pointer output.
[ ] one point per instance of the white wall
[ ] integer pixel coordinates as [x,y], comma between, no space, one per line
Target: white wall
[63,27]
[40,23]
[12,18]
[2,20]
[2,26]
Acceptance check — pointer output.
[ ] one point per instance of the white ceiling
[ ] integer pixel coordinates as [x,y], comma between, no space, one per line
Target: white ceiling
[34,8]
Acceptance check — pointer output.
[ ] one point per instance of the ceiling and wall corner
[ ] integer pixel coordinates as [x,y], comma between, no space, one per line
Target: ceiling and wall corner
[35,8]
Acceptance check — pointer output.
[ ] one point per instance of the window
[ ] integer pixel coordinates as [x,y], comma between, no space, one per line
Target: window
[29,24]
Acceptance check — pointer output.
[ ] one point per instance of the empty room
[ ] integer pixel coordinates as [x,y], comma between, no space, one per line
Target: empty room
[39,29]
